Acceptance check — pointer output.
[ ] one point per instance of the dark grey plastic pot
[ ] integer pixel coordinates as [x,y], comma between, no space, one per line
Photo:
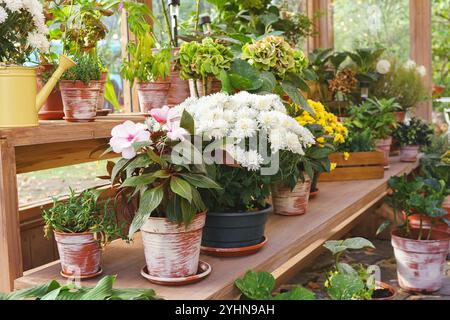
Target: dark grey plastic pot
[234,230]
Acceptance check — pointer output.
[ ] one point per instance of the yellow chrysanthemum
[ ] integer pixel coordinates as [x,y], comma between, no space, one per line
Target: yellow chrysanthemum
[346,156]
[333,166]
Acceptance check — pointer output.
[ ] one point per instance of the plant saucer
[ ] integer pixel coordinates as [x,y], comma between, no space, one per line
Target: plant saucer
[204,269]
[75,276]
[234,252]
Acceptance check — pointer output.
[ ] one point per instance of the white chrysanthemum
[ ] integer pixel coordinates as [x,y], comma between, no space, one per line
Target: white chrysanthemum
[13,5]
[410,64]
[246,112]
[277,138]
[268,119]
[38,41]
[383,66]
[293,144]
[3,15]
[244,128]
[422,71]
[251,159]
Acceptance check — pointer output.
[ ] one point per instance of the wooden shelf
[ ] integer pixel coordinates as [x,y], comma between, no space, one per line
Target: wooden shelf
[291,241]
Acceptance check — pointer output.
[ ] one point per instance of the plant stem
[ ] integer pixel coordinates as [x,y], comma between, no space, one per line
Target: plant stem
[197,15]
[166,19]
[420,228]
[196,88]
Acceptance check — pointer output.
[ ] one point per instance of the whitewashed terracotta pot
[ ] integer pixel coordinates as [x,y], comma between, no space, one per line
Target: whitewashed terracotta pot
[385,147]
[172,250]
[420,263]
[213,86]
[409,153]
[152,94]
[291,203]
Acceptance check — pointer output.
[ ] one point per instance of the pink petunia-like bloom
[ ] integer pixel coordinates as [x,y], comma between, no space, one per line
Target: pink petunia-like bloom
[160,115]
[174,131]
[124,135]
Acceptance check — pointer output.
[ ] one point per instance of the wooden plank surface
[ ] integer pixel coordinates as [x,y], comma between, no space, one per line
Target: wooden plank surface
[337,206]
[352,173]
[10,246]
[358,158]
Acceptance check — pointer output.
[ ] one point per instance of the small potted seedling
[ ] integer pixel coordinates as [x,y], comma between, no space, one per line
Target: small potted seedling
[411,137]
[81,227]
[346,282]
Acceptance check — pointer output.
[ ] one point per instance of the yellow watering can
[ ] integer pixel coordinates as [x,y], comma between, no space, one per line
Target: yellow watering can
[19,100]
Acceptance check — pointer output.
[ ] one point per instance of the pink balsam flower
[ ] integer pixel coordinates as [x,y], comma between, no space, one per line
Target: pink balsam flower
[175,132]
[124,135]
[160,115]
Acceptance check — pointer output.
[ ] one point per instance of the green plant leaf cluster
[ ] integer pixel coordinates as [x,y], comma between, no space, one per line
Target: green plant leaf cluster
[82,213]
[345,282]
[375,115]
[104,290]
[87,68]
[358,141]
[415,133]
[366,60]
[260,286]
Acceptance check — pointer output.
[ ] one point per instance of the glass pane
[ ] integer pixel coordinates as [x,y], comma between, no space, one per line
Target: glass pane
[441,49]
[371,23]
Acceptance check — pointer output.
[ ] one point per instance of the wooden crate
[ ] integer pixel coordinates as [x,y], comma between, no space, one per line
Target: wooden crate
[360,166]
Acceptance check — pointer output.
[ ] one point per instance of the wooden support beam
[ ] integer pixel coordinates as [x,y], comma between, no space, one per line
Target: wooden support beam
[10,247]
[421,49]
[321,12]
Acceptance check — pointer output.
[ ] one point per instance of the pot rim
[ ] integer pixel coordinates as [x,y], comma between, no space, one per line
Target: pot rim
[164,218]
[445,236]
[74,233]
[269,209]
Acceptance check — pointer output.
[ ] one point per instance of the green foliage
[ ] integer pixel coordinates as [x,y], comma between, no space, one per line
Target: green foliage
[82,213]
[104,290]
[417,132]
[205,59]
[88,68]
[260,285]
[345,282]
[441,44]
[366,60]
[376,115]
[242,190]
[358,141]
[401,83]
[423,196]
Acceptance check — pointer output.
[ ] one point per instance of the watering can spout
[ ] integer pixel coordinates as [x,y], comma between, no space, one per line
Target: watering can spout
[64,64]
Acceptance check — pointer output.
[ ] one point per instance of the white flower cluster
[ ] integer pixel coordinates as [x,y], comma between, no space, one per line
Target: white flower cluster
[37,38]
[383,66]
[421,70]
[246,115]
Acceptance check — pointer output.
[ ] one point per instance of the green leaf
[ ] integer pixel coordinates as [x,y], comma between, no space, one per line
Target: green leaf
[141,180]
[187,122]
[383,227]
[156,159]
[337,246]
[269,81]
[256,285]
[181,187]
[344,286]
[149,201]
[34,292]
[297,98]
[298,293]
[200,180]
[226,83]
[110,95]
[118,168]
[102,290]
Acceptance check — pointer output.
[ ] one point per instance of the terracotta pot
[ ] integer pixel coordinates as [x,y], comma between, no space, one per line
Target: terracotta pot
[213,86]
[172,250]
[179,89]
[400,116]
[414,222]
[409,153]
[384,286]
[313,194]
[80,100]
[101,93]
[420,263]
[53,108]
[79,253]
[152,94]
[385,147]
[291,203]
[446,206]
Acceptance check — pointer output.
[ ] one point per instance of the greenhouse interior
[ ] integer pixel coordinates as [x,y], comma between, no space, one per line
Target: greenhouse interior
[241,150]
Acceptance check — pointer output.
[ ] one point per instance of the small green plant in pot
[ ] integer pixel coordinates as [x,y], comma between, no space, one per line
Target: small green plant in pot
[171,212]
[377,116]
[420,248]
[80,87]
[412,136]
[202,63]
[81,226]
[346,282]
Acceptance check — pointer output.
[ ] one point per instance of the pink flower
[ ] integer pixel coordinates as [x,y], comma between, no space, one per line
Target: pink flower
[124,135]
[174,131]
[160,115]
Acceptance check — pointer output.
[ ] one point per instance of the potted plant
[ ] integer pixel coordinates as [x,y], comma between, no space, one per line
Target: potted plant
[378,116]
[171,212]
[411,137]
[346,282]
[81,227]
[404,82]
[238,212]
[80,87]
[420,249]
[202,63]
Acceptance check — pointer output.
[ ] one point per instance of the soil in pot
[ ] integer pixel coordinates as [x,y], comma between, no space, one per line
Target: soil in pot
[79,253]
[53,108]
[385,147]
[152,94]
[172,250]
[383,292]
[289,202]
[235,229]
[409,153]
[420,263]
[80,100]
